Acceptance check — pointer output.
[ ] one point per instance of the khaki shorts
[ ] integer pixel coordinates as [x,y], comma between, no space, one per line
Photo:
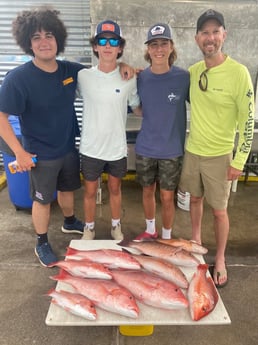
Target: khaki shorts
[207,176]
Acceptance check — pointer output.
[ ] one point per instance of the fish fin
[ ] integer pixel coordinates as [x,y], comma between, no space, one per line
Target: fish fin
[61,275]
[203,267]
[50,292]
[53,264]
[124,243]
[126,251]
[71,251]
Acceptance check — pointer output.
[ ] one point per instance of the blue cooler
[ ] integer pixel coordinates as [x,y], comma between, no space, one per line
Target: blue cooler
[18,183]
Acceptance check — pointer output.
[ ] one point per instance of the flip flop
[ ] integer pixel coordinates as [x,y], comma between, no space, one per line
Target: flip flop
[218,273]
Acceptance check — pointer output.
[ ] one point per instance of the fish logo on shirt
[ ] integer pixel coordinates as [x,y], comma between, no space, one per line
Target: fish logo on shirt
[172,97]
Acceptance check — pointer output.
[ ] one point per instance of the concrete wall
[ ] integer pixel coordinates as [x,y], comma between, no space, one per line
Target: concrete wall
[135,17]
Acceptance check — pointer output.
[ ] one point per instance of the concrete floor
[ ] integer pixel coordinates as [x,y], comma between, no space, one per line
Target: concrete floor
[23,282]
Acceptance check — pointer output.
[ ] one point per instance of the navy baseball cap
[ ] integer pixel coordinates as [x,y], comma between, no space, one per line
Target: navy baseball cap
[108,26]
[159,30]
[210,14]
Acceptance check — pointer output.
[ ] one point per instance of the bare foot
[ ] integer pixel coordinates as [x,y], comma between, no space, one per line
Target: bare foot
[220,276]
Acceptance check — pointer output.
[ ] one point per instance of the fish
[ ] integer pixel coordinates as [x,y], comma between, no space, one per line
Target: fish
[163,269]
[151,290]
[176,256]
[189,246]
[202,293]
[110,258]
[74,303]
[84,268]
[105,294]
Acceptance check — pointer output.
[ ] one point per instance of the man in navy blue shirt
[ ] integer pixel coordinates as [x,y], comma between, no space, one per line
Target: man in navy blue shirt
[42,93]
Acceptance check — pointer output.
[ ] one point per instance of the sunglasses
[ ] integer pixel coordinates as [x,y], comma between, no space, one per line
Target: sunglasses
[114,42]
[203,81]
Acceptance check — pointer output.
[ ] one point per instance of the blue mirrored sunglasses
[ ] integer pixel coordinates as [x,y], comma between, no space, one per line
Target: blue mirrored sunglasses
[102,41]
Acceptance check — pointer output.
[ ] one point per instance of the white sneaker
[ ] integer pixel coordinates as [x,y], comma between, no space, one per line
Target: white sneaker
[88,234]
[116,233]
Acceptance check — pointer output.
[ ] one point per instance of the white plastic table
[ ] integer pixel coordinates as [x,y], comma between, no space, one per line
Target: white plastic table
[56,316]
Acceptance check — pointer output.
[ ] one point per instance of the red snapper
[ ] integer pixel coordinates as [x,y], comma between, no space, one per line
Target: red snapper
[202,293]
[151,290]
[105,294]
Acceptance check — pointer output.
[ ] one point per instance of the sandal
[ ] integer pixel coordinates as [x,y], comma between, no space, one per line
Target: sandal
[218,274]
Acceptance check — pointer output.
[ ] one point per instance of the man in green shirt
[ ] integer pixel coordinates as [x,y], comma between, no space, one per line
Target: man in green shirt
[222,102]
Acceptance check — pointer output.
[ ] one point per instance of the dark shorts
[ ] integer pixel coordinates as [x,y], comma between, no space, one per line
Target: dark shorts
[61,174]
[92,168]
[165,171]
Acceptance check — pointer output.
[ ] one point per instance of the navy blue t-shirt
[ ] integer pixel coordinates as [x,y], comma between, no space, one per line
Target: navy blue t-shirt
[163,99]
[45,103]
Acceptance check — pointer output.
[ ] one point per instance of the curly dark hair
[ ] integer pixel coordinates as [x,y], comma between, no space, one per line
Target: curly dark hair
[93,42]
[43,18]
[172,57]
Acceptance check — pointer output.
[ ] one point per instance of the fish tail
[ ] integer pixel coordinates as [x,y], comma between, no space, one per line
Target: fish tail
[53,264]
[124,243]
[62,275]
[71,251]
[49,293]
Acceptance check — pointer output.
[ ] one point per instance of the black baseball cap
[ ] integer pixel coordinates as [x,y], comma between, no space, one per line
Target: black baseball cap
[210,14]
[160,30]
[108,26]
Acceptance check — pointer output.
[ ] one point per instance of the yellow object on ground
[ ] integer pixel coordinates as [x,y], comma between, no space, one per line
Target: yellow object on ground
[136,331]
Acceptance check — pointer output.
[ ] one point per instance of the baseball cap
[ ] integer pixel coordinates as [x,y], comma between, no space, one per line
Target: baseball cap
[210,14]
[159,30]
[108,26]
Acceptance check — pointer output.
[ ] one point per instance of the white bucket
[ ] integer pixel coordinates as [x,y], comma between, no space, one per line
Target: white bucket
[183,200]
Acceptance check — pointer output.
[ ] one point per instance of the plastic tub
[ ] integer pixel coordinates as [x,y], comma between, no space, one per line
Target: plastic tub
[136,331]
[18,185]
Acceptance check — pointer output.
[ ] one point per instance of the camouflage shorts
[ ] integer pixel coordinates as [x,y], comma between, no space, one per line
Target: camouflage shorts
[165,171]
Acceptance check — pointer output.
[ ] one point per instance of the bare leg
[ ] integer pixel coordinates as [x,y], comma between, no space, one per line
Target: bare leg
[40,217]
[167,208]
[115,196]
[90,192]
[196,213]
[66,203]
[221,227]
[149,202]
